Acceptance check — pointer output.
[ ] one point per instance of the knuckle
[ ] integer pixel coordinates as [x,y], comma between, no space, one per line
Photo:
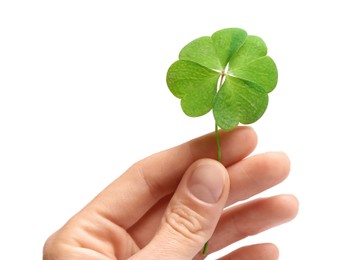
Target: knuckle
[153,186]
[185,221]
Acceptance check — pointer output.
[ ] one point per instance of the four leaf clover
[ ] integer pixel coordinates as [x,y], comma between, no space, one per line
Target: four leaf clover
[228,73]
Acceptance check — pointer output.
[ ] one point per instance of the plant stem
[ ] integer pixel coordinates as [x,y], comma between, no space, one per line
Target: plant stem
[218,145]
[205,248]
[217,135]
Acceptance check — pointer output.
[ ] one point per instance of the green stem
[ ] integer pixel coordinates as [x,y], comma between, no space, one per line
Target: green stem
[205,248]
[218,145]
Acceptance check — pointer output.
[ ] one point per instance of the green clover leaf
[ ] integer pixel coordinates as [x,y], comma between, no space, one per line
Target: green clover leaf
[228,73]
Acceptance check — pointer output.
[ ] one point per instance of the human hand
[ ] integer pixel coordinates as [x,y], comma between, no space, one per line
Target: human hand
[168,205]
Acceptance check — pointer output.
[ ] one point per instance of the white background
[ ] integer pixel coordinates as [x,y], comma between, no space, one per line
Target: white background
[83,96]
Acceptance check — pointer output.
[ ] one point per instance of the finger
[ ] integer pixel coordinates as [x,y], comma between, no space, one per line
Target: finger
[251,218]
[256,174]
[136,191]
[192,213]
[254,252]
[248,177]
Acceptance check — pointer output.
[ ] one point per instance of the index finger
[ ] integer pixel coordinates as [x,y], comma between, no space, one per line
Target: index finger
[130,196]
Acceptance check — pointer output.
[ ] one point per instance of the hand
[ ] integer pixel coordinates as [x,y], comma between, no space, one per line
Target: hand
[168,205]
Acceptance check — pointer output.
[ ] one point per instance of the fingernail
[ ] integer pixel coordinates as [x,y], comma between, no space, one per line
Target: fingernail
[207,183]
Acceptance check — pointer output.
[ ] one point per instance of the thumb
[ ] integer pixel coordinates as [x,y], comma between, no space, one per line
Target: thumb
[192,213]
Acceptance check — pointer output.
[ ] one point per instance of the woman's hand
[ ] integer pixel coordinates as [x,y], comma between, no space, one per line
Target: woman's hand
[168,205]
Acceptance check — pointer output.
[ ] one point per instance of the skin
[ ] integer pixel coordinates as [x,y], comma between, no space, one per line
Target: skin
[155,210]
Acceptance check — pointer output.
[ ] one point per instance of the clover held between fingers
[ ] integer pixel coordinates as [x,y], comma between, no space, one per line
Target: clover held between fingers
[229,73]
